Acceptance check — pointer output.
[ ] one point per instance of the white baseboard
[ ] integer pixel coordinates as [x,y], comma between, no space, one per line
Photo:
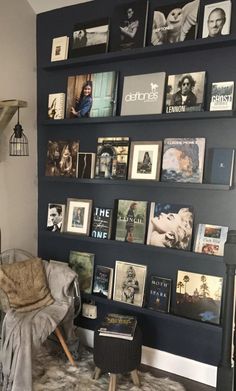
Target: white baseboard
[168,362]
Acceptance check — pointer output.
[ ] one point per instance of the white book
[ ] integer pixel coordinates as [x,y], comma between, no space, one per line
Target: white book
[56,105]
[222,94]
[60,47]
[210,239]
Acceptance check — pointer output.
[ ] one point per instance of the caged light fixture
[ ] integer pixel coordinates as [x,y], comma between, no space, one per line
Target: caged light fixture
[18,144]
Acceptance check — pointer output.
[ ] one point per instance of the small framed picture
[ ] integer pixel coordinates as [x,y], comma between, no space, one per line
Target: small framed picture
[90,38]
[129,283]
[145,160]
[78,216]
[217,19]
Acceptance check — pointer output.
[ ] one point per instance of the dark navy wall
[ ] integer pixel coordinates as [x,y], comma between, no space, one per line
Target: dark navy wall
[167,332]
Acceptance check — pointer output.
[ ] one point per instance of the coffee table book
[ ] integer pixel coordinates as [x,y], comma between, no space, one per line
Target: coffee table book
[210,239]
[83,264]
[183,160]
[222,166]
[101,223]
[143,94]
[56,105]
[60,47]
[218,28]
[103,280]
[118,326]
[159,294]
[222,95]
[85,167]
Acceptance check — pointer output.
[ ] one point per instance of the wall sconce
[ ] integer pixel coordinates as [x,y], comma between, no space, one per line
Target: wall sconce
[18,144]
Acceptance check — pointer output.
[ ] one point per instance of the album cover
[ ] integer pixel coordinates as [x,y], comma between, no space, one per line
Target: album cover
[128,26]
[222,95]
[183,160]
[112,157]
[222,166]
[101,223]
[217,19]
[170,225]
[103,280]
[91,95]
[60,47]
[61,158]
[82,263]
[159,294]
[56,105]
[174,23]
[143,94]
[131,221]
[85,165]
[198,296]
[185,92]
[56,215]
[90,38]
[210,239]
[129,283]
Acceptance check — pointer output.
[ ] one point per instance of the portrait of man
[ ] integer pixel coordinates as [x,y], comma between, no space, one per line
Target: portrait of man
[217,19]
[55,217]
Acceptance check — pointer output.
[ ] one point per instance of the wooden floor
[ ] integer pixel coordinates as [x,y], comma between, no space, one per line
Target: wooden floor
[189,385]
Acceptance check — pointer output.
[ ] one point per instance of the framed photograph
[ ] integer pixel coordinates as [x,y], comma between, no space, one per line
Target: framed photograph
[217,19]
[198,296]
[128,26]
[78,216]
[129,283]
[173,23]
[60,47]
[92,95]
[145,160]
[90,38]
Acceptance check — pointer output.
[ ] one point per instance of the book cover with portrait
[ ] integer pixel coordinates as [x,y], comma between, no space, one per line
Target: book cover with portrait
[198,296]
[143,94]
[92,95]
[101,223]
[222,95]
[185,92]
[128,26]
[159,294]
[61,158]
[217,19]
[56,217]
[170,225]
[112,157]
[131,221]
[210,239]
[183,160]
[173,23]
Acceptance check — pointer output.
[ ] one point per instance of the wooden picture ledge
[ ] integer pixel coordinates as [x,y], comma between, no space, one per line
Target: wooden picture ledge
[8,109]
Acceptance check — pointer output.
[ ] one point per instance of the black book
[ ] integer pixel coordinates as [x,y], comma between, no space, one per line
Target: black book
[103,278]
[101,223]
[222,164]
[159,294]
[118,326]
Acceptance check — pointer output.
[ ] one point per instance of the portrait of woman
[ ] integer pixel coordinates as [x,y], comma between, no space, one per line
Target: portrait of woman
[65,161]
[130,222]
[170,226]
[83,103]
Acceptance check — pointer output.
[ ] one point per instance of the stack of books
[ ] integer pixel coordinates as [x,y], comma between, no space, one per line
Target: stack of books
[118,326]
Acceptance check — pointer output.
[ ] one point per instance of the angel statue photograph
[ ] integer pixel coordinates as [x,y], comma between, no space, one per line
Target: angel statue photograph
[175,23]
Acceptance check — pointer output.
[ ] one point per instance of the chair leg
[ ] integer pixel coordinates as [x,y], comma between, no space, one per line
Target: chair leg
[135,377]
[97,373]
[64,345]
[112,384]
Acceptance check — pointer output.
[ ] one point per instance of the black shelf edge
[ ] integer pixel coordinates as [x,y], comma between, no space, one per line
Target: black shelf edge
[148,51]
[136,182]
[146,311]
[142,118]
[138,246]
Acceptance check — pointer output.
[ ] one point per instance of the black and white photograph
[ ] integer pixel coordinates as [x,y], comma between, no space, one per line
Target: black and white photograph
[78,216]
[61,159]
[174,23]
[85,165]
[129,283]
[145,160]
[185,92]
[170,225]
[217,19]
[90,38]
[128,26]
[55,220]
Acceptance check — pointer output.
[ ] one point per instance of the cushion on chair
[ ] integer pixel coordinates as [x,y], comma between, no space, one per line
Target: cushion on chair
[25,285]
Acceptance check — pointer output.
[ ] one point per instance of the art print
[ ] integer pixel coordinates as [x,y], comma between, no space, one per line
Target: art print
[78,217]
[145,158]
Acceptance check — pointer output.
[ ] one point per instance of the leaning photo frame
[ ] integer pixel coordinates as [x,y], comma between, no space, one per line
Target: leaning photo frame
[78,216]
[145,160]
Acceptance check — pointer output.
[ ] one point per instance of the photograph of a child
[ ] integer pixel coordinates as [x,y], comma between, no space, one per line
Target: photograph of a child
[170,225]
[91,95]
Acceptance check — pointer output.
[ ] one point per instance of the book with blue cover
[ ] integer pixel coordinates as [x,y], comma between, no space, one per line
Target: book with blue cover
[222,165]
